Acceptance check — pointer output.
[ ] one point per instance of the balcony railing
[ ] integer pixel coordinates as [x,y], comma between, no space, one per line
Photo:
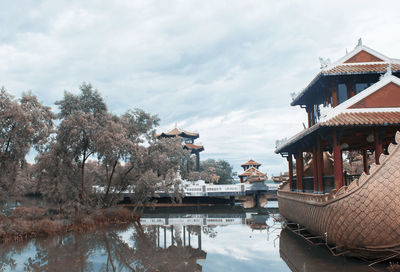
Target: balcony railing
[294,184]
[328,183]
[308,184]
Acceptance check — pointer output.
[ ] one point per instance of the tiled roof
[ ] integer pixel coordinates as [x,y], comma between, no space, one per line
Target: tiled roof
[250,162]
[194,147]
[361,68]
[251,171]
[177,132]
[343,67]
[363,118]
[377,118]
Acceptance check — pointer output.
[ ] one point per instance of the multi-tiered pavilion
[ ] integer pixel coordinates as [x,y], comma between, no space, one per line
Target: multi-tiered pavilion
[352,104]
[187,142]
[250,169]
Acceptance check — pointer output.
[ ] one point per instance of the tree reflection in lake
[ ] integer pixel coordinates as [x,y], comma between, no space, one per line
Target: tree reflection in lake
[184,239]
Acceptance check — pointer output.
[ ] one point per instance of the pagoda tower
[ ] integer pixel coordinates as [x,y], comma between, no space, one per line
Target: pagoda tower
[187,142]
[250,169]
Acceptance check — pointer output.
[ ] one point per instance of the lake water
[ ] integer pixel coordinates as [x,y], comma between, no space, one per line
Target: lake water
[218,238]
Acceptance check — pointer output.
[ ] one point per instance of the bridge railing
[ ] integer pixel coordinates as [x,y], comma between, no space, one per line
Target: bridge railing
[190,189]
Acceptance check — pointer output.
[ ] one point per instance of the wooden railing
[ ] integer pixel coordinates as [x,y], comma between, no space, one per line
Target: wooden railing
[294,184]
[308,184]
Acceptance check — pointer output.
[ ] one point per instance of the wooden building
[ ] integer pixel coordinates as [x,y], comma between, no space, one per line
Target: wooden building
[187,142]
[251,172]
[353,105]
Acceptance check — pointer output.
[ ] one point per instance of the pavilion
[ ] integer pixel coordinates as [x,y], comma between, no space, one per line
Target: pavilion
[187,142]
[251,169]
[352,104]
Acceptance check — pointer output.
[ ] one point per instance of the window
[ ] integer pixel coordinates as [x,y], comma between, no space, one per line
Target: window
[361,87]
[342,93]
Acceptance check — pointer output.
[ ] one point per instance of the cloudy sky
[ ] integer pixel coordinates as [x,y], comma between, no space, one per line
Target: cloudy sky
[222,68]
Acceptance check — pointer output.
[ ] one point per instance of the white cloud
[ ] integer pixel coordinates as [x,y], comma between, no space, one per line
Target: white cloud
[224,68]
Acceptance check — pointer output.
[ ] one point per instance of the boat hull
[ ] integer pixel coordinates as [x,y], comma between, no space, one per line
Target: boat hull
[365,215]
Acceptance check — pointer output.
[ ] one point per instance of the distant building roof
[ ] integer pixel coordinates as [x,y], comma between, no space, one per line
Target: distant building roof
[250,163]
[251,171]
[177,132]
[194,147]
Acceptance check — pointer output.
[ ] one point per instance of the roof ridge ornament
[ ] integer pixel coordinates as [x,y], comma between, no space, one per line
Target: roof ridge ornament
[388,72]
[324,62]
[359,42]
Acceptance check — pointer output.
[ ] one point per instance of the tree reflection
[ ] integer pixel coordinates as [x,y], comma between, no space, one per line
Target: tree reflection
[70,253]
[162,247]
[146,255]
[107,250]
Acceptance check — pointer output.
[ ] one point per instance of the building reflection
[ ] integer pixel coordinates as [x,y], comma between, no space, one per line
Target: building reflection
[301,255]
[164,240]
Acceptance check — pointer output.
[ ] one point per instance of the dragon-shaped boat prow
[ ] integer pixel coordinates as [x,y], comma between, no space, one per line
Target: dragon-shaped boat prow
[342,215]
[344,184]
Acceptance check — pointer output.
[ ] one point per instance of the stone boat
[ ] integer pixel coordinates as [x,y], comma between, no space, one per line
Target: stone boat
[361,217]
[344,186]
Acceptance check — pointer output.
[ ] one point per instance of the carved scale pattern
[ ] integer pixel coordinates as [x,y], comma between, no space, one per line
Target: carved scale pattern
[364,215]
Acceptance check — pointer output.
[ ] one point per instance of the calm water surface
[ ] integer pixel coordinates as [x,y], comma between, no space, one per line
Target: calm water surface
[223,238]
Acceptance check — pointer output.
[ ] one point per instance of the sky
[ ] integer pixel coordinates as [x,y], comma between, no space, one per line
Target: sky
[225,69]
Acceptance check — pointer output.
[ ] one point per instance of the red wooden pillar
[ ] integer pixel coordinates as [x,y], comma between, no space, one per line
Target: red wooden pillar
[365,161]
[320,163]
[308,116]
[299,171]
[335,100]
[350,89]
[328,96]
[312,116]
[378,146]
[290,163]
[337,162]
[315,169]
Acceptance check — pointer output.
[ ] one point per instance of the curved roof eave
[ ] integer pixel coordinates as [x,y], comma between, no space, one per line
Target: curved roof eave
[295,101]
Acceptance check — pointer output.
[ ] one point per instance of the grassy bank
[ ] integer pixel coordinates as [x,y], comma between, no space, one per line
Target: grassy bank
[25,223]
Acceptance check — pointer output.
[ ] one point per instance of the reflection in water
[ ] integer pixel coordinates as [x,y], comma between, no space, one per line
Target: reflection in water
[177,239]
[301,255]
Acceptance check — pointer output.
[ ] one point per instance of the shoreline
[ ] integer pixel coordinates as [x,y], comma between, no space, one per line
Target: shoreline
[33,222]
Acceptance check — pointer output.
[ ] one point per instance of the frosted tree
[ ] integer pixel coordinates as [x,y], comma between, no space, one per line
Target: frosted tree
[82,119]
[24,124]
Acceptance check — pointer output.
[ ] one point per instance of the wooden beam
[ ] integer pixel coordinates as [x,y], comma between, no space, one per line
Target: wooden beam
[378,145]
[350,89]
[299,171]
[328,96]
[365,161]
[290,164]
[337,161]
[320,163]
[198,161]
[335,101]
[315,169]
[309,116]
